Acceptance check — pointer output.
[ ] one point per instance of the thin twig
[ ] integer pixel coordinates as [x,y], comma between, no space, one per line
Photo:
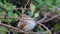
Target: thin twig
[27,3]
[8,1]
[18,2]
[42,20]
[52,18]
[44,27]
[23,9]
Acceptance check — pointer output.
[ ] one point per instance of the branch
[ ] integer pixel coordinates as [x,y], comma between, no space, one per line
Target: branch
[42,20]
[27,3]
[23,9]
[52,18]
[13,28]
[8,1]
[44,27]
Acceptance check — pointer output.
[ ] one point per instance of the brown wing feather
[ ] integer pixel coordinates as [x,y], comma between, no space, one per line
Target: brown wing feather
[22,24]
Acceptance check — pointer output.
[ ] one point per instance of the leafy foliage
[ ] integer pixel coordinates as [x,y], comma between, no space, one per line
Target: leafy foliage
[32,7]
[3,30]
[36,9]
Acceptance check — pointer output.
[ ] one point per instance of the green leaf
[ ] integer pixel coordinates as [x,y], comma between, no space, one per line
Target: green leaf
[29,13]
[10,14]
[6,20]
[57,27]
[32,8]
[5,1]
[16,15]
[3,30]
[49,2]
[39,3]
[1,3]
[10,9]
[9,6]
[36,14]
[2,14]
[57,2]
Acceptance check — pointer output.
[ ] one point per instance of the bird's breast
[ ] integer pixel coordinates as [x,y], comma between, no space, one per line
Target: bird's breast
[29,26]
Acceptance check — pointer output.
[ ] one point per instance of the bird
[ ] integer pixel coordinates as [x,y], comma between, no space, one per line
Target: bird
[26,22]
